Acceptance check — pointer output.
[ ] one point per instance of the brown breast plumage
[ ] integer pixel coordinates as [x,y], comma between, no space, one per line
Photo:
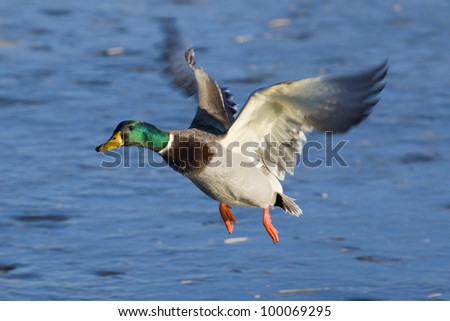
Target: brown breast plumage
[189,152]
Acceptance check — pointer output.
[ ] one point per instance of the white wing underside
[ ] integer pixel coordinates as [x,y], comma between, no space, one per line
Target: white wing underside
[274,119]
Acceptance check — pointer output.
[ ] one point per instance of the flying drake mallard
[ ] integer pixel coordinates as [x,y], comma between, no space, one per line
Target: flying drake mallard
[242,161]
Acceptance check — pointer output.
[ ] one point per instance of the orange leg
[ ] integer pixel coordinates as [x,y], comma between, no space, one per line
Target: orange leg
[227,216]
[267,222]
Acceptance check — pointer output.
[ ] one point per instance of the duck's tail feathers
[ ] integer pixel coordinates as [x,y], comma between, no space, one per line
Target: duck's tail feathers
[288,204]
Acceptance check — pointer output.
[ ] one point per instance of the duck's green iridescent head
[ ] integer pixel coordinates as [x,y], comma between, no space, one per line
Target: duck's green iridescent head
[136,133]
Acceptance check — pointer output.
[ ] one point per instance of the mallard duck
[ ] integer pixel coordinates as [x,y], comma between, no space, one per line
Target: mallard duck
[240,162]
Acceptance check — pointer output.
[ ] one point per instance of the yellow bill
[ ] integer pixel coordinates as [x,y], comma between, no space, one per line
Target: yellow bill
[114,142]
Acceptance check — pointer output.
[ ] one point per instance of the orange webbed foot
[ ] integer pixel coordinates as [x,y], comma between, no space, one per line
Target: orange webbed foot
[267,222]
[227,216]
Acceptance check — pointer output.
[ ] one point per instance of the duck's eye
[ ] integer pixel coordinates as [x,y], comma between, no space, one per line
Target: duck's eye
[131,127]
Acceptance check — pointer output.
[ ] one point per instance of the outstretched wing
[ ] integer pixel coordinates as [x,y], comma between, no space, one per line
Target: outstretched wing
[214,112]
[275,118]
[215,106]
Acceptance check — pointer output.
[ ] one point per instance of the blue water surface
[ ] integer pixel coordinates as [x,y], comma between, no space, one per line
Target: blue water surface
[71,229]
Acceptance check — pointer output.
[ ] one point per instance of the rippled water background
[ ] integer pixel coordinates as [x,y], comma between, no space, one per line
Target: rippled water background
[72,230]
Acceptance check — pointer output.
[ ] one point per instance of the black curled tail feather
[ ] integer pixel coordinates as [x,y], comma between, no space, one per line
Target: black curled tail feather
[288,204]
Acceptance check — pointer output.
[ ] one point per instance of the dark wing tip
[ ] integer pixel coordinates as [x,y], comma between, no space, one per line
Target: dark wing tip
[352,101]
[380,72]
[173,50]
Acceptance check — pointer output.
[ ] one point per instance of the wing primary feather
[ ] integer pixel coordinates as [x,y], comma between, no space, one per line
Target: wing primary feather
[173,47]
[286,110]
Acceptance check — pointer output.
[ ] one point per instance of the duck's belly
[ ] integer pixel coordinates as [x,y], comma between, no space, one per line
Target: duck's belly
[241,186]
